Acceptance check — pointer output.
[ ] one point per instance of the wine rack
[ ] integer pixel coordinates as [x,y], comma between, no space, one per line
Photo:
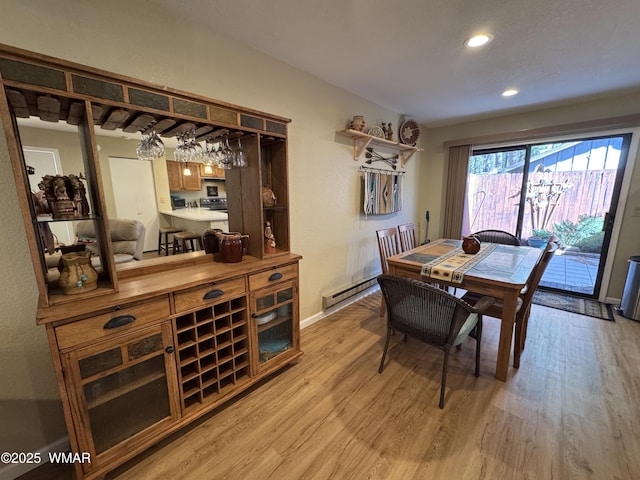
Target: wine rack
[213,351]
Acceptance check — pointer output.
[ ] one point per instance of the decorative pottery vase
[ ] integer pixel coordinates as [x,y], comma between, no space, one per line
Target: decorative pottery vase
[358,123]
[231,246]
[77,275]
[470,244]
[211,244]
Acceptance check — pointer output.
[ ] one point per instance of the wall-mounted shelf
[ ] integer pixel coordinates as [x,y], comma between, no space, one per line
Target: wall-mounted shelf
[361,141]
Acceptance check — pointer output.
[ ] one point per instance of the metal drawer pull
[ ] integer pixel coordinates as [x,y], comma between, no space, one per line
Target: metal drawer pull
[211,294]
[120,321]
[275,276]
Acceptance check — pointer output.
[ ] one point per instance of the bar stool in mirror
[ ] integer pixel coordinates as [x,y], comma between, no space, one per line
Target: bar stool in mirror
[163,239]
[180,240]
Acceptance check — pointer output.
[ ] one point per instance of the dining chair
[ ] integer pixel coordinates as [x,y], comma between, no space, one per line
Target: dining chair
[407,235]
[497,236]
[388,245]
[431,315]
[524,302]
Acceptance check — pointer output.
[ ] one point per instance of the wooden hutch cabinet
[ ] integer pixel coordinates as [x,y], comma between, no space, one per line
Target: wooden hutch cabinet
[164,340]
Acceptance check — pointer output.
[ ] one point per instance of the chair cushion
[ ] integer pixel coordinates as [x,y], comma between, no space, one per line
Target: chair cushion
[495,310]
[467,326]
[127,237]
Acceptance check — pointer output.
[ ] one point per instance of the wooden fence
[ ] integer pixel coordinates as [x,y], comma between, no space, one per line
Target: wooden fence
[492,200]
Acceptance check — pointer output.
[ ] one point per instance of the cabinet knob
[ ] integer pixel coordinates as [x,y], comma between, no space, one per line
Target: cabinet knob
[275,276]
[169,349]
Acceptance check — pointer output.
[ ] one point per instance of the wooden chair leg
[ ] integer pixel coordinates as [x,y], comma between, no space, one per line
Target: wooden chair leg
[520,336]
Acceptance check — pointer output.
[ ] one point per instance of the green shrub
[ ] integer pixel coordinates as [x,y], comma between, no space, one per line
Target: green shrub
[572,234]
[541,233]
[592,244]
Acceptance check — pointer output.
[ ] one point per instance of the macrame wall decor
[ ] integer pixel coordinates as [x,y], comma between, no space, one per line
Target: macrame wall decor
[382,191]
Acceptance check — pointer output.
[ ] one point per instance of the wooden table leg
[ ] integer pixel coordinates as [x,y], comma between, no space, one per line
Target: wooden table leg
[510,303]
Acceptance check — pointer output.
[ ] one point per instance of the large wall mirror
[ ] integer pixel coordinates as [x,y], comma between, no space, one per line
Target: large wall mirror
[83,129]
[133,188]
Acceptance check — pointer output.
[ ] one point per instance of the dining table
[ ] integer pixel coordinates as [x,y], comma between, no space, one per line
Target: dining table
[499,271]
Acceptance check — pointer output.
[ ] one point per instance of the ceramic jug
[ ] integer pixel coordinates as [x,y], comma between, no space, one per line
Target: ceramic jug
[471,244]
[231,246]
[358,123]
[211,243]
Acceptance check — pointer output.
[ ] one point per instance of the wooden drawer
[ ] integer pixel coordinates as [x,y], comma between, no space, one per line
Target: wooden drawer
[270,277]
[208,294]
[125,318]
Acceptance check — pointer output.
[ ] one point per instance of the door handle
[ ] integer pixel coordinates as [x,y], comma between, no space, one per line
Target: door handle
[609,218]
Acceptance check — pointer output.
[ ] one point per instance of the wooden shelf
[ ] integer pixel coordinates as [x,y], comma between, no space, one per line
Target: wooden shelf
[361,141]
[276,321]
[124,389]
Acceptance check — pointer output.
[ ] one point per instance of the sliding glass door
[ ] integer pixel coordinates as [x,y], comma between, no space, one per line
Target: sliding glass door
[568,189]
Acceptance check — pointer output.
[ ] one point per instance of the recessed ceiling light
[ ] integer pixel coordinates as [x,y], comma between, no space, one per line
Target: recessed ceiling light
[478,40]
[510,92]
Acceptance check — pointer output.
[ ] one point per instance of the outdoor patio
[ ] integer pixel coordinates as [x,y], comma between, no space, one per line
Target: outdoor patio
[572,272]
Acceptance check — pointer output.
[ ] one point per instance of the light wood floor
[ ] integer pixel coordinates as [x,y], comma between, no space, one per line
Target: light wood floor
[572,410]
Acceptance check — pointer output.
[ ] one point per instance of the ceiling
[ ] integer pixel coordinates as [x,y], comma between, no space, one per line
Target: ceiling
[408,55]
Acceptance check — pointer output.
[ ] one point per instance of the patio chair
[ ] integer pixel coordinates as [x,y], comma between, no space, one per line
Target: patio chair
[524,302]
[407,234]
[497,236]
[431,315]
[388,245]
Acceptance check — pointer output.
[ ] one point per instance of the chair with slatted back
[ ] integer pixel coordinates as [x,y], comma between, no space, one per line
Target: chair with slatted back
[388,245]
[497,236]
[407,234]
[431,315]
[524,302]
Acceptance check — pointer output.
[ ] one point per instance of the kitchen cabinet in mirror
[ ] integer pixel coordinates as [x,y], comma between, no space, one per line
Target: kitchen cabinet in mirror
[179,180]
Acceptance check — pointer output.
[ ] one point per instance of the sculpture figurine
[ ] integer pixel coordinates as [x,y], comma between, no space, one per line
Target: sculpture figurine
[269,239]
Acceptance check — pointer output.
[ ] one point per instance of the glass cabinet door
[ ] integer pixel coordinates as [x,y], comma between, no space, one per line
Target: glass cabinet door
[124,387]
[274,316]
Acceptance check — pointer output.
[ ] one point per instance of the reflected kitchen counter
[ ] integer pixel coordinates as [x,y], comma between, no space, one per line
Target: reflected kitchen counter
[197,219]
[197,214]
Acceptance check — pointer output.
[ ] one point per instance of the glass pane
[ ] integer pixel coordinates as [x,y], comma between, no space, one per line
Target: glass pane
[265,301]
[274,341]
[571,186]
[60,191]
[100,362]
[124,403]
[284,295]
[494,183]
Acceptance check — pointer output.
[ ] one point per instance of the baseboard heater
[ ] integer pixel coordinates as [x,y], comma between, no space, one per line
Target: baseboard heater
[341,295]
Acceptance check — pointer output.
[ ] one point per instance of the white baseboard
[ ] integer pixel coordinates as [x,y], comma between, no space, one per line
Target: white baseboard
[612,301]
[320,315]
[12,471]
